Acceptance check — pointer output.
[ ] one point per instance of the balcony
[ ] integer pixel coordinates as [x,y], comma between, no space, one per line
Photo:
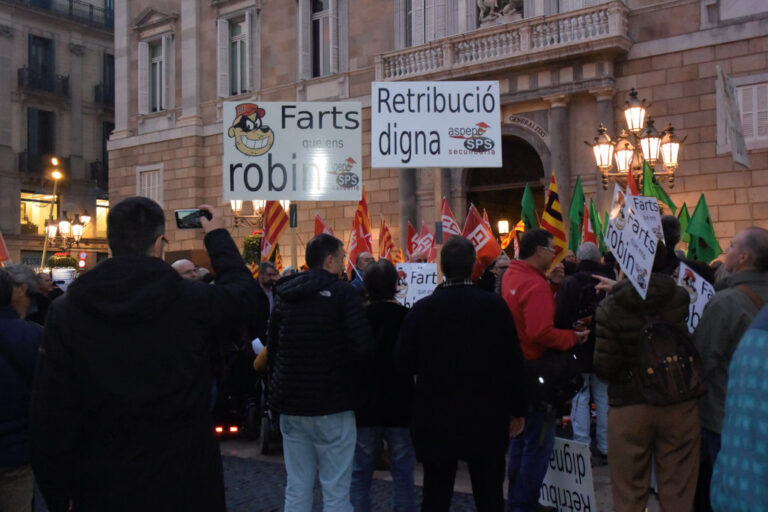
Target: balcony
[100,175]
[598,29]
[35,81]
[75,10]
[33,164]
[104,95]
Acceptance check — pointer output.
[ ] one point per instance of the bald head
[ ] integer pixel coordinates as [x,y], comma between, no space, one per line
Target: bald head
[185,268]
[363,260]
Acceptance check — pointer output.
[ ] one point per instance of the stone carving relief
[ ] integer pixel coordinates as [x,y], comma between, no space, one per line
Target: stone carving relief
[498,12]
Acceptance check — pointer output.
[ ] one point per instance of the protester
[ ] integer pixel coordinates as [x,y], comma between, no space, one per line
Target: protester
[671,228]
[386,415]
[319,347]
[741,472]
[120,416]
[47,287]
[637,430]
[185,268]
[490,281]
[530,299]
[460,343]
[577,301]
[19,341]
[363,260]
[726,317]
[37,307]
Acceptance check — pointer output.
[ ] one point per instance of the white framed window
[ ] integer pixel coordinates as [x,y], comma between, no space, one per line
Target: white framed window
[753,103]
[238,58]
[155,77]
[149,182]
[156,74]
[321,38]
[237,37]
[323,27]
[421,21]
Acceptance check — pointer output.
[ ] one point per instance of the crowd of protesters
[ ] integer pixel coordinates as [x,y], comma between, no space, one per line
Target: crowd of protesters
[109,407]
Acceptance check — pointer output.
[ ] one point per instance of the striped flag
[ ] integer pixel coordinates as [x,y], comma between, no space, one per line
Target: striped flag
[399,257]
[413,240]
[386,245]
[321,226]
[278,261]
[254,268]
[275,222]
[552,221]
[588,231]
[450,226]
[363,218]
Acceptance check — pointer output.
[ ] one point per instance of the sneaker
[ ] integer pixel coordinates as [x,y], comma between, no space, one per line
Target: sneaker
[599,459]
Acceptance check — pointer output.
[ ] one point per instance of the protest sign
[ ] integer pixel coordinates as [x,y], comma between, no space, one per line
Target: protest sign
[435,124]
[631,240]
[648,208]
[292,150]
[568,483]
[415,281]
[698,289]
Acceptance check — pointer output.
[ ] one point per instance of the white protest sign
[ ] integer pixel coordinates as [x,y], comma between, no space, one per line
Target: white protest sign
[648,209]
[568,482]
[415,281]
[698,289]
[631,240]
[292,150]
[435,124]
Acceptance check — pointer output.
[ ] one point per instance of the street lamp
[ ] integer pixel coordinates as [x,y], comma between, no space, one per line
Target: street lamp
[503,227]
[56,175]
[257,217]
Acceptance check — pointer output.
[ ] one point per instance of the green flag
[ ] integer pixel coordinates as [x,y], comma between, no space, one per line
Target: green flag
[703,245]
[684,218]
[576,215]
[597,226]
[651,189]
[528,209]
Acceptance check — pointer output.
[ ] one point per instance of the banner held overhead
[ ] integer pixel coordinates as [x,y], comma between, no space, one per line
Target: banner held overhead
[435,124]
[303,151]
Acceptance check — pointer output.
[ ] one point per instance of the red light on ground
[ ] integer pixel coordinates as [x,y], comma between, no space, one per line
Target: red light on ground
[219,430]
[233,429]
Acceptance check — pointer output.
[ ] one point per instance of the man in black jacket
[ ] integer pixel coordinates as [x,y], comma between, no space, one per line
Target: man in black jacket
[120,416]
[320,345]
[461,343]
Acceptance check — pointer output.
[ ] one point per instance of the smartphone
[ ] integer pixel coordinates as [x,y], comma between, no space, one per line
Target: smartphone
[190,219]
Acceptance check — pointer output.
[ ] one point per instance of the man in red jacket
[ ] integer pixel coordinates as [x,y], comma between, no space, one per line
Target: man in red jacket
[530,298]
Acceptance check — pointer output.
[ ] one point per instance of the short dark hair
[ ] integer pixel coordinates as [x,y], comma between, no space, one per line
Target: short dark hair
[671,227]
[133,225]
[266,265]
[756,244]
[380,280]
[320,247]
[6,288]
[457,258]
[533,239]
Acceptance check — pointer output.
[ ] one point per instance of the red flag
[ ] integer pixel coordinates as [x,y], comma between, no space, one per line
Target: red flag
[254,268]
[386,245]
[552,221]
[322,227]
[587,232]
[364,219]
[3,250]
[413,240]
[360,241]
[278,261]
[485,219]
[507,239]
[450,226]
[399,258]
[632,189]
[481,236]
[275,222]
[426,242]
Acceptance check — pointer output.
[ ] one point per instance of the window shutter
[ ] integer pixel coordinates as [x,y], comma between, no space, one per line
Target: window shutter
[399,24]
[761,91]
[248,48]
[343,37]
[32,131]
[748,112]
[169,90]
[304,20]
[440,19]
[429,20]
[143,77]
[222,38]
[418,22]
[334,35]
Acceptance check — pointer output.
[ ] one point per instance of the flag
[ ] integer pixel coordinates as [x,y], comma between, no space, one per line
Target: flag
[254,268]
[426,242]
[386,245]
[364,219]
[399,258]
[485,219]
[528,208]
[632,189]
[588,231]
[651,189]
[552,221]
[450,226]
[278,261]
[703,245]
[597,226]
[684,218]
[358,244]
[519,227]
[507,239]
[322,227]
[413,240]
[576,215]
[3,251]
[275,222]
[481,236]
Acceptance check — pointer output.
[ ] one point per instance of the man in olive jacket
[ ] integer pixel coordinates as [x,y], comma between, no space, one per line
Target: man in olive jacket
[726,317]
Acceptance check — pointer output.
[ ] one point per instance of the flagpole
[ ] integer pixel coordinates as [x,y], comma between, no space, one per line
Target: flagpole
[438,179]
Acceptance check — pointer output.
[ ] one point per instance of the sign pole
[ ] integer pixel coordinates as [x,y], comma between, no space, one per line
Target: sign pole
[438,179]
[293,221]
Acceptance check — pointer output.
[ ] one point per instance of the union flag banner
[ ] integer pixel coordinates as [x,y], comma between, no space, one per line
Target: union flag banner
[3,251]
[552,221]
[358,244]
[426,242]
[322,227]
[413,240]
[588,231]
[363,218]
[450,226]
[485,219]
[386,245]
[275,222]
[481,236]
[632,189]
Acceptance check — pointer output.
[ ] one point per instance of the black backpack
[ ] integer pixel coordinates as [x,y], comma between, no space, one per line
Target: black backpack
[669,370]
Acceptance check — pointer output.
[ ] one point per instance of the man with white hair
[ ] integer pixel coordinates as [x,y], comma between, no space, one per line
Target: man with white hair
[185,268]
[575,304]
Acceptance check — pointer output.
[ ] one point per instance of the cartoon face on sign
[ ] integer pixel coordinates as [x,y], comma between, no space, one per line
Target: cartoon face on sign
[252,137]
[689,283]
[617,211]
[642,277]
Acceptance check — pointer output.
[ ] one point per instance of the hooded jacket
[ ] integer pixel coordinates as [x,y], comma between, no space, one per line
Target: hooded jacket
[620,320]
[120,405]
[320,345]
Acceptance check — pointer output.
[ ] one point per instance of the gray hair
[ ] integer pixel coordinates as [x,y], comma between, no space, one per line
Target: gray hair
[21,274]
[266,265]
[755,242]
[588,251]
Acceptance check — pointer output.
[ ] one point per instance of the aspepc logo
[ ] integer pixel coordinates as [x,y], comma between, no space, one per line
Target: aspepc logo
[473,137]
[252,137]
[345,178]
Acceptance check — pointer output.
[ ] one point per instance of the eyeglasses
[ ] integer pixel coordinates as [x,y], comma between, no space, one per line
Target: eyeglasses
[550,249]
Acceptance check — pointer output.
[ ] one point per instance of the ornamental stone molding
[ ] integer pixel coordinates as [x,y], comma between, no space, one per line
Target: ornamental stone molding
[77,49]
[6,31]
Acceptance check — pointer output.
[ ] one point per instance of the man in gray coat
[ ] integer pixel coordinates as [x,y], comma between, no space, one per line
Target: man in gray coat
[725,319]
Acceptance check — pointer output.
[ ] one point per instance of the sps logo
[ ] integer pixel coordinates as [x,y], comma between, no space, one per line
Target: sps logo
[473,137]
[252,136]
[345,178]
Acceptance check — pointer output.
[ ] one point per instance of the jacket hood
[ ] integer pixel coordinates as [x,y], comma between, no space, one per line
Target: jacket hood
[301,286]
[127,288]
[521,267]
[661,291]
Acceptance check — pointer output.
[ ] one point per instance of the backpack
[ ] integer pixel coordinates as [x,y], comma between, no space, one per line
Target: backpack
[555,377]
[669,370]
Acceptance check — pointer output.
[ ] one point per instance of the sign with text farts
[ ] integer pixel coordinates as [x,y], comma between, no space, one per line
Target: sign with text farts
[303,151]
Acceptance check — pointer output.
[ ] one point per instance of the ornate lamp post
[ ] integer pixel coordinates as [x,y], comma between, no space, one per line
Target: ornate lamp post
[257,217]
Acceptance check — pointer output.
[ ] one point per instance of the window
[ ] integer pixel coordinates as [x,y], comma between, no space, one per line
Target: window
[421,21]
[41,63]
[102,210]
[41,133]
[35,210]
[149,182]
[409,23]
[321,38]
[156,75]
[323,27]
[238,57]
[753,100]
[235,54]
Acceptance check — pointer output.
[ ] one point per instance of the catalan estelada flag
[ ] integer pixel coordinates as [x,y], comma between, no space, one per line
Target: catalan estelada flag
[278,261]
[386,245]
[275,222]
[552,221]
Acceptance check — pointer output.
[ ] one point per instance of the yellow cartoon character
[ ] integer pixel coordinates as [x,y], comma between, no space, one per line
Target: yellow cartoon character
[251,136]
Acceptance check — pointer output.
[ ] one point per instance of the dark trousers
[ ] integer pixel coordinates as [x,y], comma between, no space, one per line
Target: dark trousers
[486,475]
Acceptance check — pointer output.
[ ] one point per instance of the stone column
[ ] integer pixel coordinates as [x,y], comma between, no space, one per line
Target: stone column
[190,64]
[560,151]
[604,99]
[407,204]
[76,163]
[123,75]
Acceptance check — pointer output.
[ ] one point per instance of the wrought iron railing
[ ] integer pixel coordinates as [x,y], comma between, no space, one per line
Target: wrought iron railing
[104,95]
[36,80]
[100,174]
[77,10]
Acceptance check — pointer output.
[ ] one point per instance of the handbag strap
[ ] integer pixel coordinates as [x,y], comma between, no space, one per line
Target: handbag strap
[756,299]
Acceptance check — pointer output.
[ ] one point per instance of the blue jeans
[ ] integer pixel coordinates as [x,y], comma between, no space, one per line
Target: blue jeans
[318,444]
[580,413]
[401,459]
[529,455]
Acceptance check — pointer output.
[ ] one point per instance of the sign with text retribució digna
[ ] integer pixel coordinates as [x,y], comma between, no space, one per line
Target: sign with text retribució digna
[435,124]
[303,151]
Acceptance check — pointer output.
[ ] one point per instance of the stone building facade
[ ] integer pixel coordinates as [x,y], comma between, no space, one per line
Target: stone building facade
[563,68]
[56,96]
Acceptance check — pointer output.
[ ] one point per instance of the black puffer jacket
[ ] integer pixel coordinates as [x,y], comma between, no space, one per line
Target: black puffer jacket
[319,347]
[619,323]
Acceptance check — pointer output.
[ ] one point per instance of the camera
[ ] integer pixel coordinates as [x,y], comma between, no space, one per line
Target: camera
[190,219]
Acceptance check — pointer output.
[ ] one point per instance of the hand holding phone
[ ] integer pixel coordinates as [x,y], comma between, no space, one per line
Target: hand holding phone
[190,218]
